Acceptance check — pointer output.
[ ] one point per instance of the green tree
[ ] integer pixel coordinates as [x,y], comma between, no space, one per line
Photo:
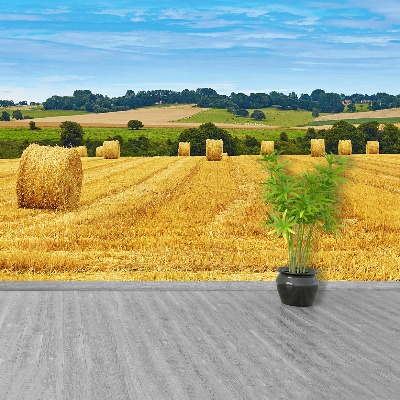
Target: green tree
[17,114]
[135,124]
[32,125]
[351,107]
[315,113]
[343,130]
[370,130]
[258,115]
[330,103]
[71,134]
[251,141]
[198,136]
[283,137]
[241,112]
[5,116]
[390,139]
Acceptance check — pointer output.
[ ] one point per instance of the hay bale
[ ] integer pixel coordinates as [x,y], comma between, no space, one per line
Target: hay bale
[49,178]
[111,149]
[100,151]
[214,149]
[344,147]
[267,147]
[317,147]
[82,151]
[184,149]
[372,147]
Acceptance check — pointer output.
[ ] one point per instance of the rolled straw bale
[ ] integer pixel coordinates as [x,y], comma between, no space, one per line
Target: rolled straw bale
[49,178]
[267,147]
[214,149]
[82,151]
[111,149]
[317,147]
[184,149]
[344,147]
[100,151]
[372,147]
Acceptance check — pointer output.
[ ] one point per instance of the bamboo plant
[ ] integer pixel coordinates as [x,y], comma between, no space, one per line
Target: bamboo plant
[302,204]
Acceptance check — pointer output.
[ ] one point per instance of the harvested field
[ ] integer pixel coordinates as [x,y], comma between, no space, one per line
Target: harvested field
[171,116]
[149,116]
[387,113]
[183,218]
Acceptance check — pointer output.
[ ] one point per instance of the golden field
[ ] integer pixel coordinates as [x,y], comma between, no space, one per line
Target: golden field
[185,218]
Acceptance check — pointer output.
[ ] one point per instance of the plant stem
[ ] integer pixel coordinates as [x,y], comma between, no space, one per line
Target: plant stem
[307,245]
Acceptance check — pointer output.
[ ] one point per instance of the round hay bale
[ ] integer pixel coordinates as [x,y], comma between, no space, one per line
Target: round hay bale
[267,147]
[372,147]
[214,149]
[82,151]
[184,149]
[344,147]
[100,151]
[317,147]
[111,149]
[49,178]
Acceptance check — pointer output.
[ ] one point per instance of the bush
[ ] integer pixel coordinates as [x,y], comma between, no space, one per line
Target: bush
[241,112]
[135,124]
[71,134]
[5,116]
[258,115]
[17,114]
[315,113]
[284,137]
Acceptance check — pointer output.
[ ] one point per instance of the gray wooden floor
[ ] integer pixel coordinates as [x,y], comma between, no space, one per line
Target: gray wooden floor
[197,340]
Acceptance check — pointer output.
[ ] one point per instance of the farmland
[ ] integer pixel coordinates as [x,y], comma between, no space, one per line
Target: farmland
[183,218]
[274,117]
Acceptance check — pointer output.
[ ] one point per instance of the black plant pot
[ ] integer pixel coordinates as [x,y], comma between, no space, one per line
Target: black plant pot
[297,289]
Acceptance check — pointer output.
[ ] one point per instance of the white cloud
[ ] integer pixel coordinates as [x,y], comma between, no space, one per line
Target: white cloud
[52,11]
[371,24]
[210,23]
[19,17]
[309,21]
[370,40]
[123,12]
[63,78]
[390,9]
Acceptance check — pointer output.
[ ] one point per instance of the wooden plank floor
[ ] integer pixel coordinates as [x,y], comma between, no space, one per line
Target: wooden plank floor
[197,340]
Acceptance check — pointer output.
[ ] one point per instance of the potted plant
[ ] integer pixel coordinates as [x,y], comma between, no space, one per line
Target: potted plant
[300,206]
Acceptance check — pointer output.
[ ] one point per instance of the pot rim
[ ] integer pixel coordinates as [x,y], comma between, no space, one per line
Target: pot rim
[309,271]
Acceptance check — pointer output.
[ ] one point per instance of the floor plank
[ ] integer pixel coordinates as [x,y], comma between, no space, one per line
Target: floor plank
[197,340]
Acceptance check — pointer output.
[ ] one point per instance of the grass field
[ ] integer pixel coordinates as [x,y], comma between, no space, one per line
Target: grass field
[183,218]
[157,134]
[274,117]
[392,120]
[39,112]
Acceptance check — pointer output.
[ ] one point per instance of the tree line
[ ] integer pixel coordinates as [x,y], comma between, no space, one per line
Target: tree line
[85,100]
[72,134]
[388,136]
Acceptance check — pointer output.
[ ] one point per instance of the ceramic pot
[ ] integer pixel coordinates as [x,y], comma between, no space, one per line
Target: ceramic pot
[297,289]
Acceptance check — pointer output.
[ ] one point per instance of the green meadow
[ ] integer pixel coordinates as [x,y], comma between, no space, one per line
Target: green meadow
[39,112]
[155,134]
[274,117]
[392,120]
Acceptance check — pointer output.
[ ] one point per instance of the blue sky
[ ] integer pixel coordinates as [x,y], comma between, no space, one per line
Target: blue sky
[347,46]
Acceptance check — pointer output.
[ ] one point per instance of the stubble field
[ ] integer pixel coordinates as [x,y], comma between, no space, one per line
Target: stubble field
[185,218]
